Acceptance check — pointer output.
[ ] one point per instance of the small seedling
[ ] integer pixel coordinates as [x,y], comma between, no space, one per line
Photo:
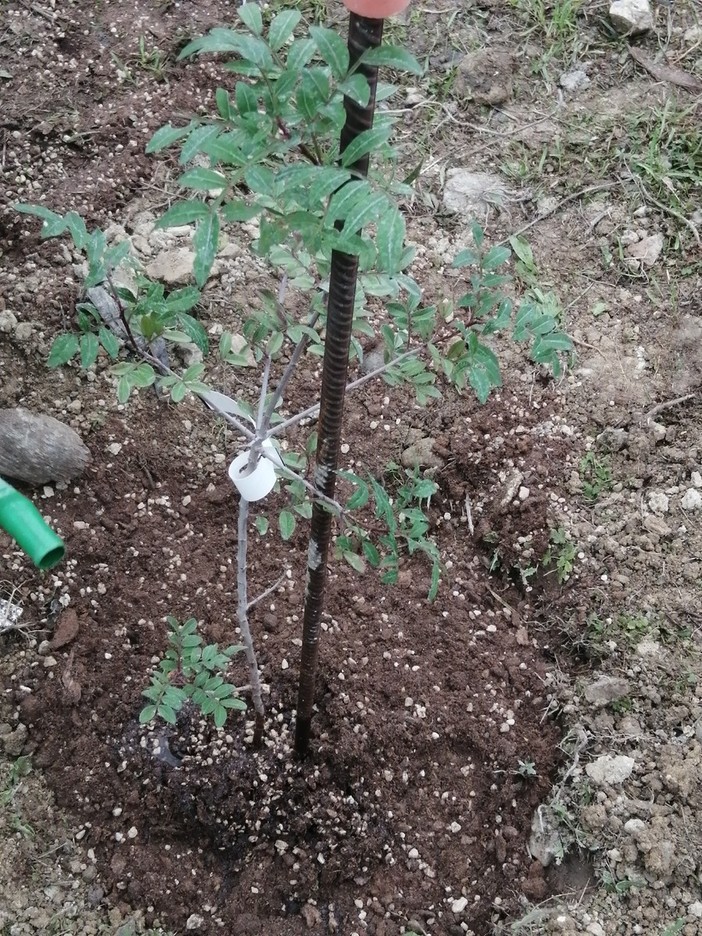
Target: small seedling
[561,554]
[20,768]
[674,928]
[596,476]
[614,886]
[526,769]
[191,671]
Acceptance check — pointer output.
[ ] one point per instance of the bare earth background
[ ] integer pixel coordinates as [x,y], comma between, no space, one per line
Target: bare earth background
[523,755]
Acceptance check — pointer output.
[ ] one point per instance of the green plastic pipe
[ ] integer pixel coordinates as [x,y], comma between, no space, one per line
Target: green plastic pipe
[21,519]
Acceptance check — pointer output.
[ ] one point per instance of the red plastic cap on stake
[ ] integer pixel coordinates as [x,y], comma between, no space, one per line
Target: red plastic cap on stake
[376,9]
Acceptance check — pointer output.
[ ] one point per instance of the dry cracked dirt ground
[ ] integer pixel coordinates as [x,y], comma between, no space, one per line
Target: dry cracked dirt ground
[523,756]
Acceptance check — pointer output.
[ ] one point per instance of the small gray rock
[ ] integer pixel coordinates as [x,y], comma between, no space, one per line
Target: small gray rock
[421,454]
[631,17]
[635,828]
[174,266]
[630,727]
[607,689]
[486,76]
[14,742]
[647,250]
[692,500]
[657,526]
[473,194]
[194,921]
[8,321]
[657,430]
[612,440]
[574,80]
[610,769]
[661,859]
[658,502]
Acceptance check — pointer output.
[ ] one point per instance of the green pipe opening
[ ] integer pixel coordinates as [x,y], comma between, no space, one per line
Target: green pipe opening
[21,519]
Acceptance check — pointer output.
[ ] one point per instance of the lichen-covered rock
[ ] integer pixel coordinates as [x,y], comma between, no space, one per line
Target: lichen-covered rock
[37,449]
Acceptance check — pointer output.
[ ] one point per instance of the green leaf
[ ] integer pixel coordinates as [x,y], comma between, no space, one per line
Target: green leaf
[194,330]
[286,524]
[389,56]
[77,229]
[196,142]
[124,388]
[262,524]
[478,234]
[202,179]
[63,349]
[260,179]
[223,103]
[166,136]
[390,240]
[205,241]
[250,16]
[115,254]
[332,48]
[246,99]
[282,27]
[370,209]
[194,372]
[176,336]
[239,211]
[343,200]
[220,713]
[256,51]
[371,553]
[185,212]
[299,54]
[557,341]
[523,251]
[313,93]
[465,257]
[178,392]
[89,347]
[356,88]
[167,714]
[142,376]
[54,224]
[368,141]
[217,40]
[435,579]
[495,257]
[480,382]
[355,561]
[147,714]
[109,341]
[183,300]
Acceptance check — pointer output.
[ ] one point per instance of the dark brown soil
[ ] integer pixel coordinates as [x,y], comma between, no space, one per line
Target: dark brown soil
[408,742]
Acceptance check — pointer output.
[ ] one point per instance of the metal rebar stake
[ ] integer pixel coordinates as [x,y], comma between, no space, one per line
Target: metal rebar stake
[364,34]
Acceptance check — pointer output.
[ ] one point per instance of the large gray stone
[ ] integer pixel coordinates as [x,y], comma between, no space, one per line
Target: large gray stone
[37,449]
